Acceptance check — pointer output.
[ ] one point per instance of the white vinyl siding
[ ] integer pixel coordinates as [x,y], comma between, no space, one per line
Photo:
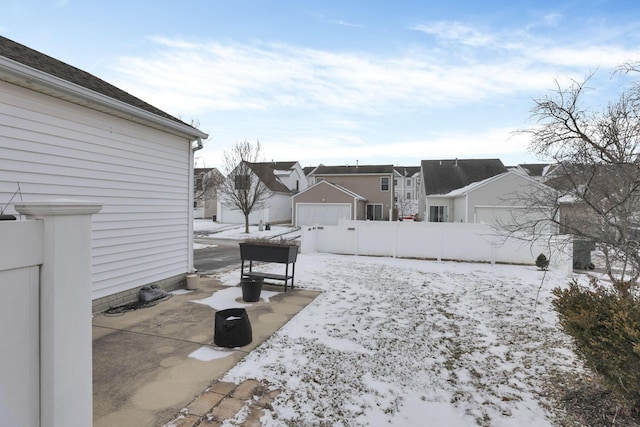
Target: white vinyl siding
[55,149]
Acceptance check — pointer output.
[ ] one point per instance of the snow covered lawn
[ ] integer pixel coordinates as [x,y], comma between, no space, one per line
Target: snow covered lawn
[395,342]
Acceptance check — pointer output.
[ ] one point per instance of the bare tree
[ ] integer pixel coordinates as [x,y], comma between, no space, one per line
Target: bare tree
[596,172]
[242,189]
[206,184]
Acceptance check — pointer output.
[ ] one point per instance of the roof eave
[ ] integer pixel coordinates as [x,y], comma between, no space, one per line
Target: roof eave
[39,81]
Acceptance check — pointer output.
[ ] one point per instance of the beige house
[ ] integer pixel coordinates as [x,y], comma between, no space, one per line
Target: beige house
[371,182]
[326,203]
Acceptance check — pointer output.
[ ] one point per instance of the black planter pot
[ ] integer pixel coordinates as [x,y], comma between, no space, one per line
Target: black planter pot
[251,289]
[232,328]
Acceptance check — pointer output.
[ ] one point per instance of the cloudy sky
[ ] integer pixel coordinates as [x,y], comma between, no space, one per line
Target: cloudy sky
[335,82]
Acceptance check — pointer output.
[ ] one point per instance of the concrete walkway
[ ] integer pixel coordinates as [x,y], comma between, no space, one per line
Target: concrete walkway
[143,374]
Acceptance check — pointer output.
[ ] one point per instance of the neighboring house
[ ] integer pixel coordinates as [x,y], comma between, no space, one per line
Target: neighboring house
[308,172]
[372,182]
[591,196]
[440,177]
[283,180]
[537,171]
[205,196]
[65,133]
[497,200]
[406,184]
[325,203]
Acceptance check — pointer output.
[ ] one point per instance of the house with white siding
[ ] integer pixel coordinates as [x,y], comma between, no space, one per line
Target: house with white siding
[439,177]
[406,184]
[205,192]
[496,200]
[282,180]
[67,134]
[480,191]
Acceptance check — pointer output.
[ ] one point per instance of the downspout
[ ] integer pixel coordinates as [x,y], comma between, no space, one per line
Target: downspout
[466,209]
[355,208]
[199,146]
[391,195]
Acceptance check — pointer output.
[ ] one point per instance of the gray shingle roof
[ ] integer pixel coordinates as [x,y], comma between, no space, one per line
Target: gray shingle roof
[39,61]
[443,176]
[350,170]
[407,170]
[265,171]
[533,169]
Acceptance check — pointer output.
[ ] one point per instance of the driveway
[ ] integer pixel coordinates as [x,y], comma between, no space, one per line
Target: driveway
[211,255]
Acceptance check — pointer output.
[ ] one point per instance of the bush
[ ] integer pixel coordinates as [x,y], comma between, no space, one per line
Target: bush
[605,326]
[542,262]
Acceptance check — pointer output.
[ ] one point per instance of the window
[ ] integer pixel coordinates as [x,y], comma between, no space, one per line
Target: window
[242,182]
[438,213]
[395,182]
[319,180]
[384,183]
[408,195]
[374,212]
[408,182]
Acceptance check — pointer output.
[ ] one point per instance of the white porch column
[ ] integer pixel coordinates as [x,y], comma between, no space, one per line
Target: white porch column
[65,311]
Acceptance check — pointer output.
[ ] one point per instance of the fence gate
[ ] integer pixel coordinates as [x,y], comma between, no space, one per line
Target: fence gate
[19,323]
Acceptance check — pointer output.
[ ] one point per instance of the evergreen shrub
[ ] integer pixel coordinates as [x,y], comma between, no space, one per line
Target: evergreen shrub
[604,323]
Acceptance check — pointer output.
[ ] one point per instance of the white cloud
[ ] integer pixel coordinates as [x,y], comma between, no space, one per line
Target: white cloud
[308,104]
[456,32]
[188,77]
[552,19]
[345,148]
[195,77]
[345,23]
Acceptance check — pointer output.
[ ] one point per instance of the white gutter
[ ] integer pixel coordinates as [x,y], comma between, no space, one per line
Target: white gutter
[191,267]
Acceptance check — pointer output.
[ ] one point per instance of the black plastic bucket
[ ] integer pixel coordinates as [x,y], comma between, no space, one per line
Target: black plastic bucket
[251,289]
[232,328]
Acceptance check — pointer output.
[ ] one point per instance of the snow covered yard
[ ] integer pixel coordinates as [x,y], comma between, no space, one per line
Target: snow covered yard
[413,343]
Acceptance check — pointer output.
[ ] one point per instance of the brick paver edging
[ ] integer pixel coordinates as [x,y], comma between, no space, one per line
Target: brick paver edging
[223,401]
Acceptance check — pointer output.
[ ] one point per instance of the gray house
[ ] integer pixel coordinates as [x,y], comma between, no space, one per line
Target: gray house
[440,177]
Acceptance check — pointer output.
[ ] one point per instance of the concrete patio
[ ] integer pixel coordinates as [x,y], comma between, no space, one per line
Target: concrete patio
[143,374]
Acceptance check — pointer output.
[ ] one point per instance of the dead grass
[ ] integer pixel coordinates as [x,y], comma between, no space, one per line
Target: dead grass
[584,401]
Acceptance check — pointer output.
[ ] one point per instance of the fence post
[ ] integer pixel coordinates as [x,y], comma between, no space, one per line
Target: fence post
[65,311]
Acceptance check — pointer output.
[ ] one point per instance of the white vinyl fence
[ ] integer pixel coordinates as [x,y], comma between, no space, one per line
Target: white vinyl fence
[437,241]
[45,316]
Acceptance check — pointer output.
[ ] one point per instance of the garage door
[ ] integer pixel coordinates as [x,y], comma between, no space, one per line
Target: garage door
[496,215]
[321,213]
